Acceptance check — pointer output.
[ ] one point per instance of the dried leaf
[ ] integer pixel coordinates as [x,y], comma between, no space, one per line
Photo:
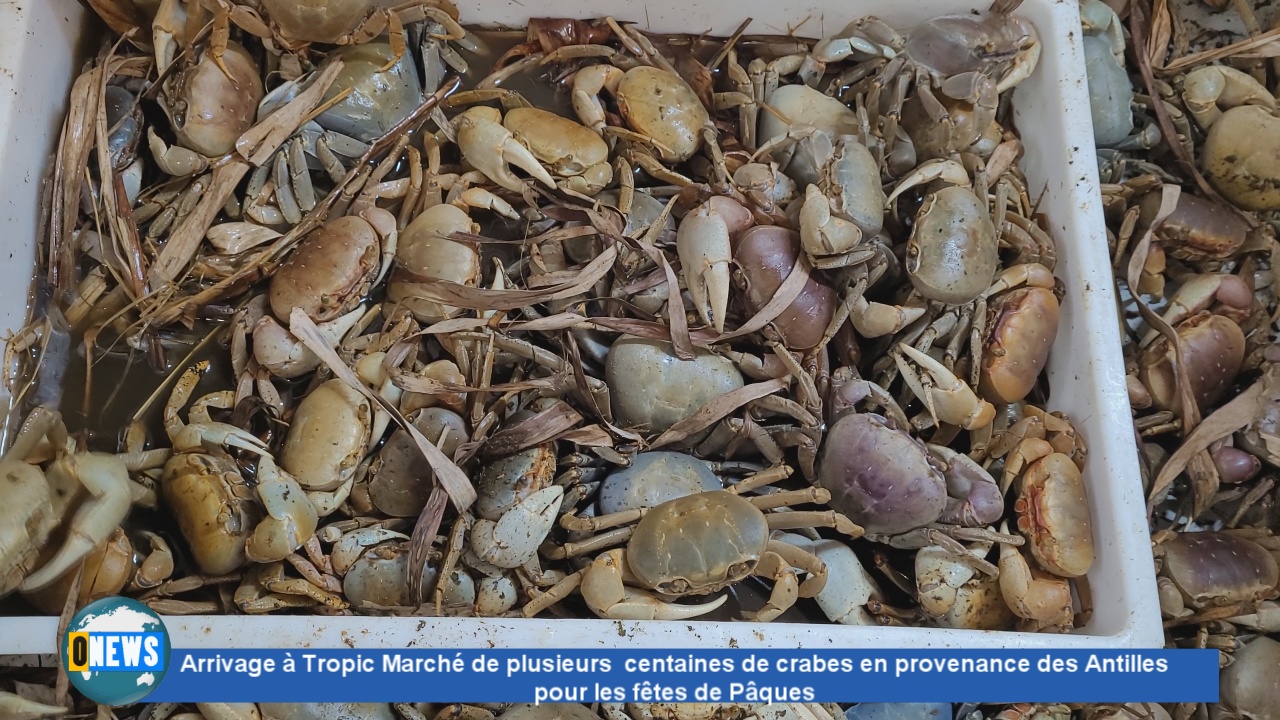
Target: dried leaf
[455,482]
[786,294]
[589,436]
[78,134]
[1161,32]
[410,382]
[651,330]
[122,17]
[1265,45]
[184,241]
[424,534]
[465,296]
[261,141]
[718,409]
[233,238]
[677,319]
[546,425]
[1224,421]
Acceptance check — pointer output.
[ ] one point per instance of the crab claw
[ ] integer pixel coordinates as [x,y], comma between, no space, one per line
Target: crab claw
[283,355]
[169,28]
[107,481]
[490,148]
[822,233]
[192,437]
[948,398]
[175,160]
[949,170]
[513,540]
[291,518]
[607,597]
[703,243]
[873,320]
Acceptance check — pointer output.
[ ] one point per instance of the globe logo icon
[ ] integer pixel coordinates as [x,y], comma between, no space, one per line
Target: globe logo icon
[116,651]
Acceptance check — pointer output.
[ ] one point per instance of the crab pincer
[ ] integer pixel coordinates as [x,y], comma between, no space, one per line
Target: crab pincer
[704,242]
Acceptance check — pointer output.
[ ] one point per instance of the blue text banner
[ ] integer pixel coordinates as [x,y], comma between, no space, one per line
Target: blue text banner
[741,676]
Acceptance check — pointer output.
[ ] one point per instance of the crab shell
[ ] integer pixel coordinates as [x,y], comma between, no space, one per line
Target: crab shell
[952,254]
[1239,157]
[329,272]
[506,481]
[215,508]
[425,251]
[1213,352]
[566,147]
[879,477]
[1219,569]
[1250,685]
[327,436]
[653,389]
[765,254]
[27,501]
[1020,333]
[1053,512]
[654,478]
[697,544]
[1197,229]
[661,105]
[399,482]
[377,99]
[319,21]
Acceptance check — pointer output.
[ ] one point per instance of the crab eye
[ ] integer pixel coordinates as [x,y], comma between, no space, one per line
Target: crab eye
[737,571]
[679,586]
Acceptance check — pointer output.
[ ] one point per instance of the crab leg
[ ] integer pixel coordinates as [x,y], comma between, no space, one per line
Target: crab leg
[814,518]
[786,588]
[948,398]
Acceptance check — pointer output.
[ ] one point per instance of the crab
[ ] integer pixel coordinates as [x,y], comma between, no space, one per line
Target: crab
[696,545]
[211,101]
[1203,570]
[1241,142]
[219,514]
[327,275]
[844,205]
[1052,506]
[662,111]
[294,25]
[573,154]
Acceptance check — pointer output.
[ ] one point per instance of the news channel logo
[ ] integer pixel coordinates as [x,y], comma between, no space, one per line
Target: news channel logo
[116,651]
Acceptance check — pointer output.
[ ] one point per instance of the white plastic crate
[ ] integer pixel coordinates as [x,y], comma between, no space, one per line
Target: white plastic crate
[39,39]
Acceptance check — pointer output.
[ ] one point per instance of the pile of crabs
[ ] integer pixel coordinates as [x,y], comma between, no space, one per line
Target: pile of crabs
[1185,123]
[577,321]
